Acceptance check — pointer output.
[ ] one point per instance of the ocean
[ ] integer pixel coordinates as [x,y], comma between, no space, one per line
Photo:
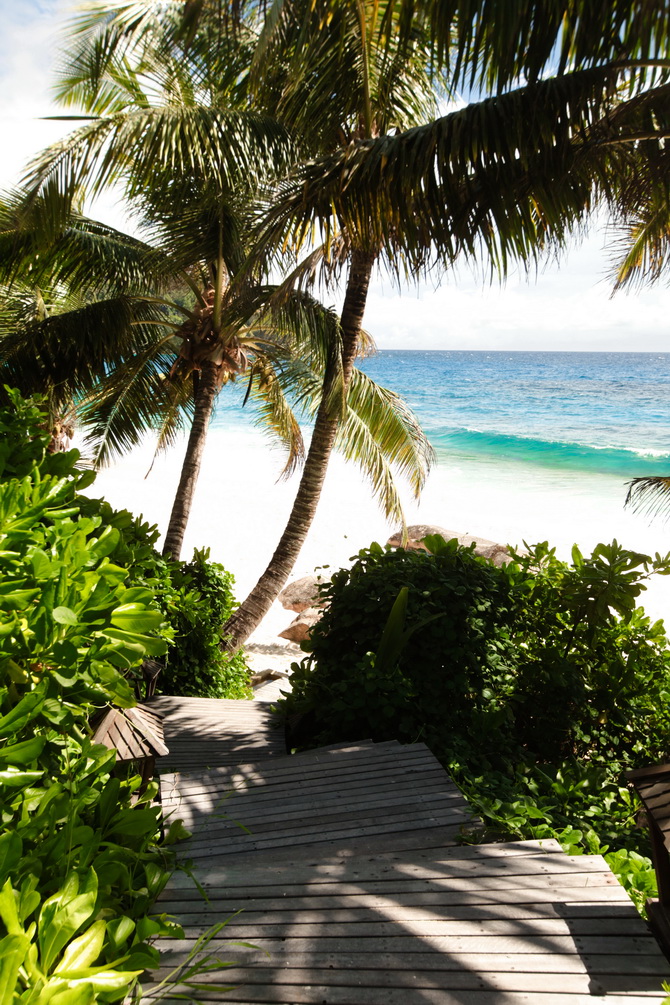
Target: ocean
[530,446]
[593,412]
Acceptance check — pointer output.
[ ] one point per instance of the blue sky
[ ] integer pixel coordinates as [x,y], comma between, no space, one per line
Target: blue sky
[567,306]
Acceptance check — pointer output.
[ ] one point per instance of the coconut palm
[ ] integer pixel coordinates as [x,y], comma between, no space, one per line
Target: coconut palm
[501,180]
[642,256]
[170,118]
[381,178]
[163,357]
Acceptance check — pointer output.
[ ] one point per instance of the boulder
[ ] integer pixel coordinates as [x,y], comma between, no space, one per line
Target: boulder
[301,626]
[302,593]
[496,553]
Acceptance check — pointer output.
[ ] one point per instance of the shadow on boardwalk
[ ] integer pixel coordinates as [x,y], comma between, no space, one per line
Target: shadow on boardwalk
[353,891]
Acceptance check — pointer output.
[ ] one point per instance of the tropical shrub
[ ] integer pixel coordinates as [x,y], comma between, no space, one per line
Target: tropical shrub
[536,684]
[81,859]
[196,599]
[449,655]
[200,603]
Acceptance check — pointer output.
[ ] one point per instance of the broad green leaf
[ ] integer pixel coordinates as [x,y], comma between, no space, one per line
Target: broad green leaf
[14,777]
[104,545]
[106,980]
[83,994]
[83,951]
[24,752]
[8,910]
[11,848]
[65,616]
[13,949]
[134,822]
[17,600]
[135,644]
[119,930]
[63,915]
[22,712]
[136,618]
[42,565]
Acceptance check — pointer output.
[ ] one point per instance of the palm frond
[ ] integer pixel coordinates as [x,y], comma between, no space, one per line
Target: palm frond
[72,351]
[650,495]
[391,426]
[83,255]
[136,398]
[332,80]
[274,413]
[132,148]
[495,45]
[507,176]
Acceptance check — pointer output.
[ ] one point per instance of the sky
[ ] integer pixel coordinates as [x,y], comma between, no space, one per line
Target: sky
[566,306]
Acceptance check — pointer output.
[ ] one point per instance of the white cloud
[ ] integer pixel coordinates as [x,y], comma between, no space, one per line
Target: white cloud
[567,306]
[28,51]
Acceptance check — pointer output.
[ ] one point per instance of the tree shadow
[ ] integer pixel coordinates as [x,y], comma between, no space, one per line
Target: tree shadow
[352,891]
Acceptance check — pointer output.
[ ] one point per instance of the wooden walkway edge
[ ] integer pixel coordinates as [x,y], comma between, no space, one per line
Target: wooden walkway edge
[341,875]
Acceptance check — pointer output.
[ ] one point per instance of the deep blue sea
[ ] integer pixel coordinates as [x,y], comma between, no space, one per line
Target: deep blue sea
[591,412]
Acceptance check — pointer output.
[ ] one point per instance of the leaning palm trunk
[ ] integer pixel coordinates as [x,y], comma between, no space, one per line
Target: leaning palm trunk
[252,611]
[208,387]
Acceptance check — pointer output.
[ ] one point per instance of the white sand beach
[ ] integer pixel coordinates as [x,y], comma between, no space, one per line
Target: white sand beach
[240,510]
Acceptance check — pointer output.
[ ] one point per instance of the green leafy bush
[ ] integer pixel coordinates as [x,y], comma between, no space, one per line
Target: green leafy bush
[199,604]
[450,652]
[536,684]
[196,599]
[80,855]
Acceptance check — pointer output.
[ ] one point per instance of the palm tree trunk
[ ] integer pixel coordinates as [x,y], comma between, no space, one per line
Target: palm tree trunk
[205,397]
[252,611]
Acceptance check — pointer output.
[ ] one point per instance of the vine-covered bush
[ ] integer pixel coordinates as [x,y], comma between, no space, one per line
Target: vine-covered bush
[536,684]
[81,858]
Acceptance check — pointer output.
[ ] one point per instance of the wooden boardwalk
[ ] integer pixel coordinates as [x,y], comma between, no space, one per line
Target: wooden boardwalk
[352,890]
[204,733]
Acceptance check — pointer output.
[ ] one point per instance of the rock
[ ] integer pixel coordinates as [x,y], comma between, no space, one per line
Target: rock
[301,626]
[301,594]
[497,553]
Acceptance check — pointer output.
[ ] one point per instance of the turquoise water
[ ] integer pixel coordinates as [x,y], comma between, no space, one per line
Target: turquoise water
[597,412]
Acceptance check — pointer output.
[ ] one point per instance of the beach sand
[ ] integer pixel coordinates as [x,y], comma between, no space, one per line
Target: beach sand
[241,508]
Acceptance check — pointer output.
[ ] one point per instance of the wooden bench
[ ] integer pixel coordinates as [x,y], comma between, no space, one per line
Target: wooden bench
[653,787]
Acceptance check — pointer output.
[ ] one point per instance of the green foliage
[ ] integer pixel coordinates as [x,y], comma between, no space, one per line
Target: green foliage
[199,605]
[536,684]
[196,599]
[445,661]
[80,857]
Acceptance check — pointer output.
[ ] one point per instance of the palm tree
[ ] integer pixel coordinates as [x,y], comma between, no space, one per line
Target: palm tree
[164,362]
[642,256]
[186,161]
[505,178]
[381,179]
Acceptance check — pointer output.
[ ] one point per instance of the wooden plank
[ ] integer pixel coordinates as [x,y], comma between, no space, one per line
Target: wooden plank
[573,963]
[441,868]
[219,821]
[368,980]
[281,771]
[176,789]
[548,945]
[401,905]
[434,919]
[179,788]
[317,994]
